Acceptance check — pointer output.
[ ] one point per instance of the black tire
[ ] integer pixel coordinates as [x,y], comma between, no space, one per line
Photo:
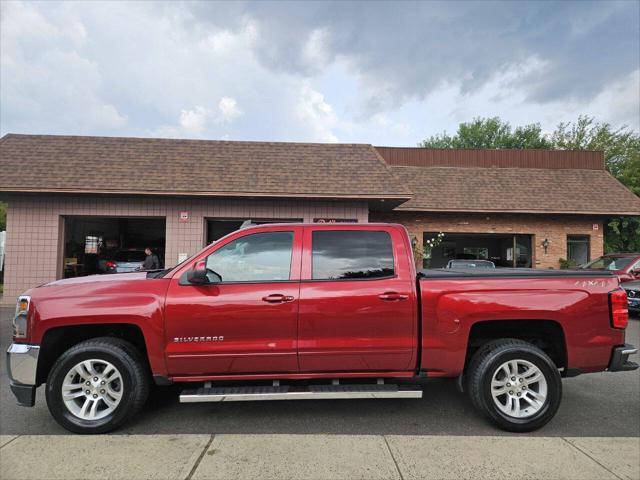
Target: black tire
[482,368]
[135,383]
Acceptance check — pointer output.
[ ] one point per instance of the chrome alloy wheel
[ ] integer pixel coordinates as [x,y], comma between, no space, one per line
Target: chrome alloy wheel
[519,388]
[92,389]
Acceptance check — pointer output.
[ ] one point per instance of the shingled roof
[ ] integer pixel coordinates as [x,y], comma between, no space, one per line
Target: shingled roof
[112,165]
[431,179]
[530,190]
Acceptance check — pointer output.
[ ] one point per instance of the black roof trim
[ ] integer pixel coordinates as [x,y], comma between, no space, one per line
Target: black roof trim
[508,273]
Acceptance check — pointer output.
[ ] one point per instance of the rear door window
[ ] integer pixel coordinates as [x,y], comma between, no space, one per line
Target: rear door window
[351,255]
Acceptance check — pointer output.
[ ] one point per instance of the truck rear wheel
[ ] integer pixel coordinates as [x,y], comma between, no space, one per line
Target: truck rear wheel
[515,384]
[97,385]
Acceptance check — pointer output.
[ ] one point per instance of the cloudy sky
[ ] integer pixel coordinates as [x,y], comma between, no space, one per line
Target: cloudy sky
[381,73]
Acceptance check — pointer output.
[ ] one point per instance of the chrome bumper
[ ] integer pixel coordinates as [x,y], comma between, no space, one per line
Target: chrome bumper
[22,363]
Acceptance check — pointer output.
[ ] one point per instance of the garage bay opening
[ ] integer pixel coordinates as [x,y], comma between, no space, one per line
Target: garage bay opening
[98,245]
[216,229]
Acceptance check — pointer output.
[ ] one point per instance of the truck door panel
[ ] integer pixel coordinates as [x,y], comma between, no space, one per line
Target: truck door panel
[357,302]
[248,322]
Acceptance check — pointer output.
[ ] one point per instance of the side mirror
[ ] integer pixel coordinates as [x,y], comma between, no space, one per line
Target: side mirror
[198,275]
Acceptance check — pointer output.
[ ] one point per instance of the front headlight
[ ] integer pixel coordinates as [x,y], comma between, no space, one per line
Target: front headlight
[20,319]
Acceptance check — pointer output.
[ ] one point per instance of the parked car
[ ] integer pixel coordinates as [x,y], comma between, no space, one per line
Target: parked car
[464,264]
[125,261]
[332,303]
[633,295]
[625,265]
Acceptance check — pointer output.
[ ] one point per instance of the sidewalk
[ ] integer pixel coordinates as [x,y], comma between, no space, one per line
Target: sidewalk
[319,457]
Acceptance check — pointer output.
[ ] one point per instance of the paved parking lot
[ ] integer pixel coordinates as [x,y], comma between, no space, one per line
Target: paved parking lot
[596,405]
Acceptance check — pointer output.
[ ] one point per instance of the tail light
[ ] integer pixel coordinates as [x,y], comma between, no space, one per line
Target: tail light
[618,308]
[110,264]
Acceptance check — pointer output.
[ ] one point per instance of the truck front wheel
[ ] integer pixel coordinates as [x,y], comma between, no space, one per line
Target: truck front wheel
[97,385]
[515,384]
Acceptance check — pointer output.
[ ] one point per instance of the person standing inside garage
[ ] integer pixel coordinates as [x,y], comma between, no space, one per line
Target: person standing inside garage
[151,262]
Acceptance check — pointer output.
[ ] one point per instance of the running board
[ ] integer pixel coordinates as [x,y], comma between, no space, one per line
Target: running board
[287,392]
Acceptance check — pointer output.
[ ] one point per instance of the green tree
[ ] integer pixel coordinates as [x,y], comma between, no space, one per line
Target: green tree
[490,133]
[622,234]
[621,147]
[3,216]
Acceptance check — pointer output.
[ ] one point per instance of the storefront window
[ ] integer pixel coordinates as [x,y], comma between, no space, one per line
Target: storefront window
[504,250]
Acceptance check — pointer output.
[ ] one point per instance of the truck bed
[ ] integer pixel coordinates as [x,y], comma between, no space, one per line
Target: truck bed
[571,304]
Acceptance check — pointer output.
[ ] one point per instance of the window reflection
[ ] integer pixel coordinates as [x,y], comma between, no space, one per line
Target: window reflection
[339,255]
[257,257]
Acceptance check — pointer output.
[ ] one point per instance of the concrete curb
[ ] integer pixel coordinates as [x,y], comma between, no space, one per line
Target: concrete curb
[321,457]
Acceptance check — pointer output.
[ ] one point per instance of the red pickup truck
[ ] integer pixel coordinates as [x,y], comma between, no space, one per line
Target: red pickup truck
[317,311]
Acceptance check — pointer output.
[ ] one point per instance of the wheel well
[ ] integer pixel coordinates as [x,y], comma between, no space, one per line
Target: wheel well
[58,340]
[544,334]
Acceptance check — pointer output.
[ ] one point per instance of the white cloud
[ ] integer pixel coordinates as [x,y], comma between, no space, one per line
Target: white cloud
[620,103]
[313,111]
[279,71]
[382,121]
[193,121]
[196,122]
[314,51]
[229,110]
[48,84]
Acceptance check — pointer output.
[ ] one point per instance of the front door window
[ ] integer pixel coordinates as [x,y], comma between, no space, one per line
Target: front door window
[261,257]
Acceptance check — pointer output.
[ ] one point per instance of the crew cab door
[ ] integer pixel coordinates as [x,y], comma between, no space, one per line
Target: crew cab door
[245,323]
[357,300]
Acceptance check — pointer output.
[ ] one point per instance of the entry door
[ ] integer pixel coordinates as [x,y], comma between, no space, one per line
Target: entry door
[247,323]
[356,301]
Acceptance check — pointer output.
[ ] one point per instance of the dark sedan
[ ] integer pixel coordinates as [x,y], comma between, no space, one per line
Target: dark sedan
[633,295]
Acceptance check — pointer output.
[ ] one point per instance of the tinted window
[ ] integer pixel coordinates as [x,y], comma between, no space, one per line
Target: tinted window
[351,254]
[130,256]
[254,258]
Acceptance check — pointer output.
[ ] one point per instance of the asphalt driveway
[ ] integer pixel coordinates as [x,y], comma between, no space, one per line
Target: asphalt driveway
[595,405]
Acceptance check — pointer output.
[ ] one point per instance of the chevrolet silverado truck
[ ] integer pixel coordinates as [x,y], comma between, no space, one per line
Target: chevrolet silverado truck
[314,311]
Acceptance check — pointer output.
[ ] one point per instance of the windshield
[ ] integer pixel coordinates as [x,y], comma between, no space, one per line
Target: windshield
[471,264]
[609,263]
[130,256]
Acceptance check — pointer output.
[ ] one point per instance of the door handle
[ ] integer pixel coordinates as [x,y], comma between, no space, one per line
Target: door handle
[392,296]
[277,298]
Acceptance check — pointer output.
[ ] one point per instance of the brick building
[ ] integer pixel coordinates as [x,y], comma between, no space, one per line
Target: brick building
[524,208]
[74,201]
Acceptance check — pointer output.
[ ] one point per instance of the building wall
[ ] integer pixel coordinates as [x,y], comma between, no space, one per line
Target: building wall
[555,228]
[35,226]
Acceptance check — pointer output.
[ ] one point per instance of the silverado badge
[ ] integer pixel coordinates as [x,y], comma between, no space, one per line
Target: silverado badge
[219,338]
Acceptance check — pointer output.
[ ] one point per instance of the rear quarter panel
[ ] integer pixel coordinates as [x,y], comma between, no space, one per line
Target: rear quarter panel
[580,305]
